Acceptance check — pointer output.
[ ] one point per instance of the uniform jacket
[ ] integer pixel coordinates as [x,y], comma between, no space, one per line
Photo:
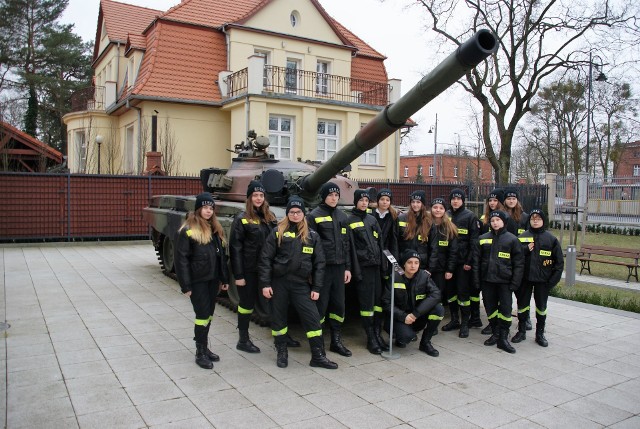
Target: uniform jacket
[512,226]
[443,252]
[468,232]
[418,296]
[501,259]
[292,260]
[197,262]
[364,241]
[415,243]
[389,240]
[523,225]
[245,243]
[545,263]
[331,224]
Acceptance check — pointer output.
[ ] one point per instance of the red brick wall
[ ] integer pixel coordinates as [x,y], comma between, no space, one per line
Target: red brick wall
[467,168]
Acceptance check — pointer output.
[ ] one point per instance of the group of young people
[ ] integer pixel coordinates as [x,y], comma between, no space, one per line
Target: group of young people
[446,254]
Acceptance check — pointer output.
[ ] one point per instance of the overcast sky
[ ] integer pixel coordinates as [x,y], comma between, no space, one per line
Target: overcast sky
[389,27]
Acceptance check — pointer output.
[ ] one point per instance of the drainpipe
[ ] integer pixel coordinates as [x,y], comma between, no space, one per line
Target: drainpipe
[117,69]
[129,106]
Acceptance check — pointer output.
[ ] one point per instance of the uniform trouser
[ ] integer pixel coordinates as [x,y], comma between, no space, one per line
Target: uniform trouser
[497,300]
[540,296]
[332,295]
[369,291]
[248,295]
[299,295]
[438,279]
[405,333]
[203,300]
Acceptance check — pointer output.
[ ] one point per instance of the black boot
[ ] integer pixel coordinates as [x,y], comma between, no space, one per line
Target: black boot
[245,344]
[493,339]
[318,355]
[540,339]
[487,330]
[528,325]
[211,355]
[464,322]
[372,341]
[201,357]
[282,358]
[521,335]
[336,345]
[454,323]
[291,342]
[503,339]
[377,331]
[425,341]
[474,319]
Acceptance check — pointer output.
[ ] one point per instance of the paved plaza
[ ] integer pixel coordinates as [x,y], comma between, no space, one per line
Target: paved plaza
[98,337]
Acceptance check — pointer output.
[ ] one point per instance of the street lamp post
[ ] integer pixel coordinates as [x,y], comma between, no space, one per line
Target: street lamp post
[99,140]
[601,78]
[434,130]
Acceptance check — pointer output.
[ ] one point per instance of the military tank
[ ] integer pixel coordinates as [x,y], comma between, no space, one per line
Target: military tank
[282,179]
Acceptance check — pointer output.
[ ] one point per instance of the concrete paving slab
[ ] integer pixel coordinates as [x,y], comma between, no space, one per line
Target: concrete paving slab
[102,339]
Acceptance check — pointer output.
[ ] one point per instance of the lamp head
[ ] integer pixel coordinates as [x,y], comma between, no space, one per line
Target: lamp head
[99,139]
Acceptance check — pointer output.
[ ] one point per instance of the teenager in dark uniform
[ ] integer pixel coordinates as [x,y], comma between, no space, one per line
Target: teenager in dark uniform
[468,232]
[501,269]
[201,268]
[414,226]
[387,218]
[331,224]
[248,233]
[366,254]
[543,269]
[417,304]
[443,257]
[514,210]
[290,257]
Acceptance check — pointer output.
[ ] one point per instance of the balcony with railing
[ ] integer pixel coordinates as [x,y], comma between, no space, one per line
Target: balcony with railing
[90,98]
[313,85]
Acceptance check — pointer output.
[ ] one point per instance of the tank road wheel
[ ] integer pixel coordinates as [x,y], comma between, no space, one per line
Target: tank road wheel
[166,255]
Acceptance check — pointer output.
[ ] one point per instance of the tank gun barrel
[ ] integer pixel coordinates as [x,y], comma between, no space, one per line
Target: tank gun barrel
[467,56]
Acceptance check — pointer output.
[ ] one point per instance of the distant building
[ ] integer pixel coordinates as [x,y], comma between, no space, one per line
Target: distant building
[629,164]
[449,168]
[20,151]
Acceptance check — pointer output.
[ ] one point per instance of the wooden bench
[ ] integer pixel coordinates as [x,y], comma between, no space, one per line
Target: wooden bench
[588,251]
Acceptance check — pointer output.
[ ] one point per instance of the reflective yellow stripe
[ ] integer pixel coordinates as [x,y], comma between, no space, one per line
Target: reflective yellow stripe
[486,241]
[312,334]
[435,317]
[282,331]
[494,314]
[504,255]
[202,322]
[505,318]
[290,234]
[443,243]
[377,309]
[475,298]
[322,321]
[336,317]
[344,230]
[245,310]
[545,253]
[463,231]
[324,219]
[366,313]
[420,296]
[246,222]
[522,310]
[369,211]
[453,298]
[356,225]
[189,233]
[375,234]
[419,237]
[520,231]
[540,312]
[400,223]
[526,239]
[399,286]
[464,303]
[308,250]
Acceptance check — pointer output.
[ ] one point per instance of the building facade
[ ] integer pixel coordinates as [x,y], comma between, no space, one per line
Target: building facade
[209,71]
[450,168]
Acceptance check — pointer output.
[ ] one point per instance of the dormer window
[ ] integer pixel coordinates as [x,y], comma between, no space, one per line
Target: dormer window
[295,18]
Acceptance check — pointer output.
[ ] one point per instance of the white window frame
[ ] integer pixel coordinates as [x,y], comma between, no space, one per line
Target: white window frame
[455,171]
[266,82]
[371,157]
[479,172]
[431,170]
[324,139]
[419,170]
[406,171]
[291,75]
[128,156]
[278,136]
[636,170]
[323,69]
[80,141]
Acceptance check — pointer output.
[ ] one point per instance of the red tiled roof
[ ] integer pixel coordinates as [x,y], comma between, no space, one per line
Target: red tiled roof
[363,48]
[26,145]
[122,19]
[368,69]
[136,41]
[213,13]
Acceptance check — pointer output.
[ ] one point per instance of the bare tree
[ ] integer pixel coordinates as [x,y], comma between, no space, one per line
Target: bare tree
[168,144]
[535,40]
[143,148]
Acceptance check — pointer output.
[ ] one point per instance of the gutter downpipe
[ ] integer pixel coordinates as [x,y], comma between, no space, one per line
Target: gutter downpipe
[129,106]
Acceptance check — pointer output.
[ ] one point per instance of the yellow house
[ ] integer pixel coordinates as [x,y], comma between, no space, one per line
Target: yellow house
[192,81]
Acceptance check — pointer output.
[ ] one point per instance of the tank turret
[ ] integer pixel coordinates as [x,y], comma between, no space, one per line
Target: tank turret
[282,179]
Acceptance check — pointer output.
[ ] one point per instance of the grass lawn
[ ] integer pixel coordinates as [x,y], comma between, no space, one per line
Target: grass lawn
[615,240]
[628,300]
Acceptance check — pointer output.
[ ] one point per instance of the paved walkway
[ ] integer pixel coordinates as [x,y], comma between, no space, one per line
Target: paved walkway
[99,338]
